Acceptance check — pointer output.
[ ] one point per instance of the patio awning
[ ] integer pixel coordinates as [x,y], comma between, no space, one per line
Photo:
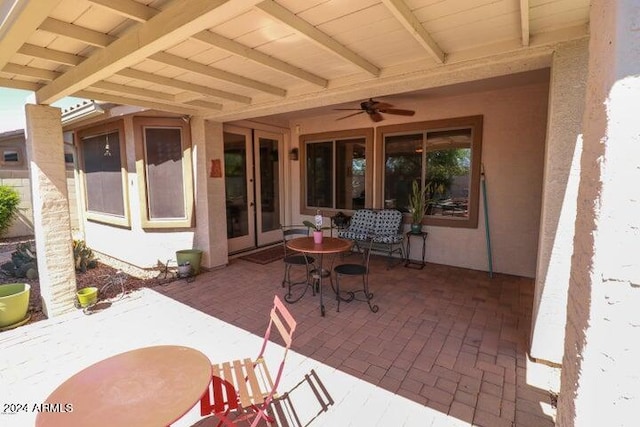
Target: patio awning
[236,59]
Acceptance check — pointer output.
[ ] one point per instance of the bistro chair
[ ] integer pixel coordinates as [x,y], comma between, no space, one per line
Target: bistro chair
[295,259]
[246,387]
[354,270]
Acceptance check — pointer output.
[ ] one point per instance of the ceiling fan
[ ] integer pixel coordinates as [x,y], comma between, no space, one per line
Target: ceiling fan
[375,109]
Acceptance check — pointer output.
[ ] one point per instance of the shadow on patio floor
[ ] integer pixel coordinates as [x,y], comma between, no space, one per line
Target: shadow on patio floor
[446,338]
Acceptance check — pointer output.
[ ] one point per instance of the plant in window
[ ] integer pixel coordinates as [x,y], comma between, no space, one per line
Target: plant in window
[417,206]
[443,167]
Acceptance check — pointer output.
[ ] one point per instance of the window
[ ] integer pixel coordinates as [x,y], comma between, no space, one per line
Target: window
[12,156]
[334,170]
[104,174]
[68,159]
[163,164]
[444,158]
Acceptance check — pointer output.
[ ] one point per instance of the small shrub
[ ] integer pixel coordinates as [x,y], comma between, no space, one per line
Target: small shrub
[83,256]
[9,201]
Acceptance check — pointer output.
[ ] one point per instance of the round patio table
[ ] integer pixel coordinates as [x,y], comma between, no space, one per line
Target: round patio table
[151,386]
[329,245]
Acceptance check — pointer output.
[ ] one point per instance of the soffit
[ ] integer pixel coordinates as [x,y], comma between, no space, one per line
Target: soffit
[228,60]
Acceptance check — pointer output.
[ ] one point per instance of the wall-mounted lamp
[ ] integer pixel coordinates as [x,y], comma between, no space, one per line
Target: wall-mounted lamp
[293,154]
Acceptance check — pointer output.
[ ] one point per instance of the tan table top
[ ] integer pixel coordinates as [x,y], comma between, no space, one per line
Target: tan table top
[329,245]
[151,386]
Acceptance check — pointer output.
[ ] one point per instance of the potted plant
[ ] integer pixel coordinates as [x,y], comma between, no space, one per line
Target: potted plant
[317,227]
[417,207]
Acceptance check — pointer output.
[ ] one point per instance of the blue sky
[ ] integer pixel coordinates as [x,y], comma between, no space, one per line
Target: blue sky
[12,107]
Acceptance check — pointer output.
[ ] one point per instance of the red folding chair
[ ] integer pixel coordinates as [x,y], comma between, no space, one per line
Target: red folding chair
[245,387]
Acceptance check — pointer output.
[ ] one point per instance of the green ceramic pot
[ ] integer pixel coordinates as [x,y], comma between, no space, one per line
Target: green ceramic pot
[87,296]
[14,303]
[191,256]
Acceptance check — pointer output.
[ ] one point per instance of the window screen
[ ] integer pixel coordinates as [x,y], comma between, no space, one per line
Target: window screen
[165,182]
[103,173]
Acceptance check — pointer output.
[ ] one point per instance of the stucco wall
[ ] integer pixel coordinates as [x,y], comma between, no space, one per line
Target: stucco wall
[135,245]
[561,178]
[512,154]
[600,384]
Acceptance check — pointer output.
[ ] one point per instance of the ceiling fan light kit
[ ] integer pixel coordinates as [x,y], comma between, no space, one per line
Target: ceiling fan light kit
[375,109]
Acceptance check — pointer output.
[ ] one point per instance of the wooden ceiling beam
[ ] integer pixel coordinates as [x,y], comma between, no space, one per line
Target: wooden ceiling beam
[301,26]
[136,91]
[205,70]
[23,70]
[52,55]
[403,14]
[49,75]
[177,22]
[75,32]
[141,13]
[126,100]
[180,84]
[524,22]
[128,8]
[19,84]
[258,57]
[205,104]
[23,20]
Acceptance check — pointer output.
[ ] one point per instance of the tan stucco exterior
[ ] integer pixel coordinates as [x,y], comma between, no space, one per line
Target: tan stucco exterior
[530,142]
[145,247]
[561,178]
[56,268]
[600,371]
[512,155]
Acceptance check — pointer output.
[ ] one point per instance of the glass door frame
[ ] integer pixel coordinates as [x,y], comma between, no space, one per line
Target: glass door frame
[246,241]
[254,236]
[271,236]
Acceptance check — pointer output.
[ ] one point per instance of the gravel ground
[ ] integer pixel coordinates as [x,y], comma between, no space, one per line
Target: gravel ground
[135,278]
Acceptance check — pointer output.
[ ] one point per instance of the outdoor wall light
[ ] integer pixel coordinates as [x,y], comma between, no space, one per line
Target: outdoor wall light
[293,154]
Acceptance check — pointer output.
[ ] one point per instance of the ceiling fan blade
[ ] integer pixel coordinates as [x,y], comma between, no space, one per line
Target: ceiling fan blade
[382,105]
[369,105]
[350,115]
[398,111]
[376,117]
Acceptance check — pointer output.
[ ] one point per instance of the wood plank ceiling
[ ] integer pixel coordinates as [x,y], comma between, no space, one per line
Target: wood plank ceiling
[242,58]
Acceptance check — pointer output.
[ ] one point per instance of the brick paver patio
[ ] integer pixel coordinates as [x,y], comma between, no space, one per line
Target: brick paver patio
[447,347]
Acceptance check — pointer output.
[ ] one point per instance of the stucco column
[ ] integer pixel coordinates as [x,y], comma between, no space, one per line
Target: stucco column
[560,191]
[600,383]
[211,225]
[51,220]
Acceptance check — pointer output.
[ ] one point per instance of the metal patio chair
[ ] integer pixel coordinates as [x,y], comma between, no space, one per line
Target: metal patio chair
[296,259]
[246,387]
[353,270]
